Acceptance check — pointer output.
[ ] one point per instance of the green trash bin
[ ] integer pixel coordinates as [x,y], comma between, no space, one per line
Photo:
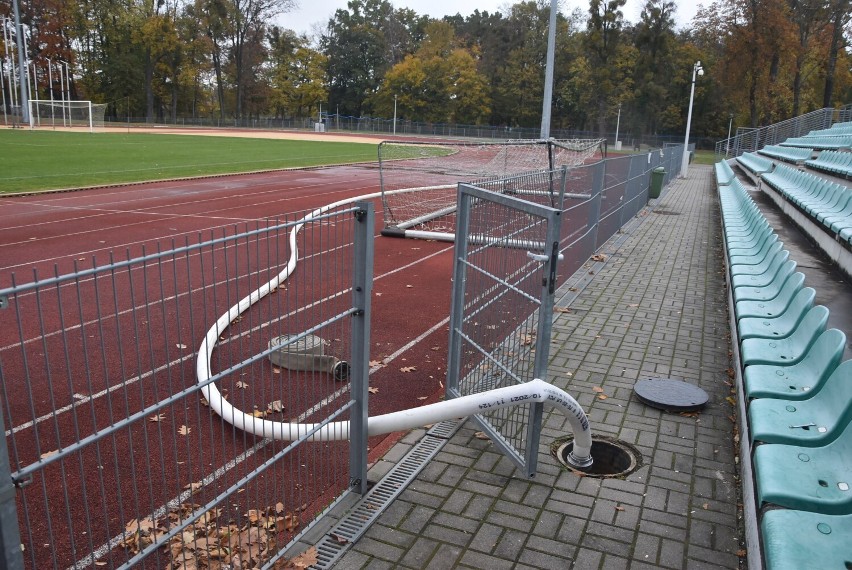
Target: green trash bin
[657,176]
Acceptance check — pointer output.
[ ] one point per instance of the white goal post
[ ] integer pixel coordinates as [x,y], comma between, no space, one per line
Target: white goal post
[46,113]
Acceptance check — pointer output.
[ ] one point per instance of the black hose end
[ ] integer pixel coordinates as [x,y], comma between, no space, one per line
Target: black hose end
[340,371]
[393,231]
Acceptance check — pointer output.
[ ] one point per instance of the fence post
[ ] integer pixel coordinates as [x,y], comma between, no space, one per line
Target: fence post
[457,298]
[11,555]
[362,287]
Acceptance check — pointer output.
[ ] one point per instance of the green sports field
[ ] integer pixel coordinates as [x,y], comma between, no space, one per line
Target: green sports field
[42,160]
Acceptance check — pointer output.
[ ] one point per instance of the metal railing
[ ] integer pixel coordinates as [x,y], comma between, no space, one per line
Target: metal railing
[754,139]
[114,456]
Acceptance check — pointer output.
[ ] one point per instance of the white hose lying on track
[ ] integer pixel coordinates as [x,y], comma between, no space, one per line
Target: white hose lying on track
[520,394]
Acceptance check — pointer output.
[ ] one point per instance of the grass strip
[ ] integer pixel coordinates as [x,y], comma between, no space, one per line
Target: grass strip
[47,160]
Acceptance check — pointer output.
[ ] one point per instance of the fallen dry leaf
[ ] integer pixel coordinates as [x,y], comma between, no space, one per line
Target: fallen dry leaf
[156,417]
[184,430]
[241,384]
[276,406]
[597,389]
[276,370]
[480,435]
[422,397]
[373,390]
[180,345]
[619,508]
[600,257]
[47,454]
[304,560]
[408,369]
[374,363]
[409,286]
[602,396]
[562,309]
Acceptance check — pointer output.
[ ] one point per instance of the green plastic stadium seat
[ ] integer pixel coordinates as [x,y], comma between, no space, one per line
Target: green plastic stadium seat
[724,173]
[802,379]
[794,281]
[817,479]
[783,351]
[768,309]
[783,325]
[768,265]
[764,240]
[747,238]
[797,540]
[758,255]
[764,279]
[813,422]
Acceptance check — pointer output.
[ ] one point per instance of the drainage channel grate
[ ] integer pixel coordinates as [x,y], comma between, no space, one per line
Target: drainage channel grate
[350,528]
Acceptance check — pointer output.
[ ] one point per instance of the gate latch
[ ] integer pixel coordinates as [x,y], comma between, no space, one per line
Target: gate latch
[542,257]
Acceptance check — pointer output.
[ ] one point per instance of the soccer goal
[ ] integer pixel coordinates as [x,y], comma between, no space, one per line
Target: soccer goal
[419,180]
[83,114]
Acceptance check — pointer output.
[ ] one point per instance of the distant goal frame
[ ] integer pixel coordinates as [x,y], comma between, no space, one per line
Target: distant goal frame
[65,107]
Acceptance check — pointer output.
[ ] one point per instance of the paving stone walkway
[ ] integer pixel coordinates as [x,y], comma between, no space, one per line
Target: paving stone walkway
[656,308]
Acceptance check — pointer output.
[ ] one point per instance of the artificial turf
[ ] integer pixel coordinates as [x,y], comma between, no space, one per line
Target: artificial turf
[45,160]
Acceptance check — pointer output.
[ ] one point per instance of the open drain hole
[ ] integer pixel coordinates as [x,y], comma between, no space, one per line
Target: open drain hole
[611,457]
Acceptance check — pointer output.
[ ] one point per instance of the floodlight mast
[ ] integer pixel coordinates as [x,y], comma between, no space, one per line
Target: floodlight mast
[19,37]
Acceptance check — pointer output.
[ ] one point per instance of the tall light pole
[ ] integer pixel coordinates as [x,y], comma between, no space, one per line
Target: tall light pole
[548,72]
[20,40]
[728,142]
[394,114]
[697,70]
[617,124]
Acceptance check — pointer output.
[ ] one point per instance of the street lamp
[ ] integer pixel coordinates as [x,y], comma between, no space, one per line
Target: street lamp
[728,142]
[394,115]
[684,165]
[617,124]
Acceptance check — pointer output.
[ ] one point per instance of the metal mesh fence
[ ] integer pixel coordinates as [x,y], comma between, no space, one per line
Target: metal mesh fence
[116,457]
[434,169]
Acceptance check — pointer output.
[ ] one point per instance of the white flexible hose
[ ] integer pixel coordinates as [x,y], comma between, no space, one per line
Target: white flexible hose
[534,391]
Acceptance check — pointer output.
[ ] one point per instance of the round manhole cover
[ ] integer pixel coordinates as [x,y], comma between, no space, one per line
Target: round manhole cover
[611,457]
[671,395]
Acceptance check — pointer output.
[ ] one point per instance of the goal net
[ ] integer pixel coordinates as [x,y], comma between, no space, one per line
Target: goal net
[79,114]
[419,179]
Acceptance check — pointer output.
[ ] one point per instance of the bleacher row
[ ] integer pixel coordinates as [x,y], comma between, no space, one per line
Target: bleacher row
[799,394]
[829,150]
[836,137]
[827,203]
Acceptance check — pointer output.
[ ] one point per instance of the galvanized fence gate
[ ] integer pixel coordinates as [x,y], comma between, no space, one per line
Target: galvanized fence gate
[517,240]
[503,284]
[115,458]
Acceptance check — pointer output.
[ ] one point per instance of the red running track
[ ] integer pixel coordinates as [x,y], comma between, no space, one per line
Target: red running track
[56,232]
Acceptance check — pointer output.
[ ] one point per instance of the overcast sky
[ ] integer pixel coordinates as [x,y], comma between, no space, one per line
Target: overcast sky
[312,12]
